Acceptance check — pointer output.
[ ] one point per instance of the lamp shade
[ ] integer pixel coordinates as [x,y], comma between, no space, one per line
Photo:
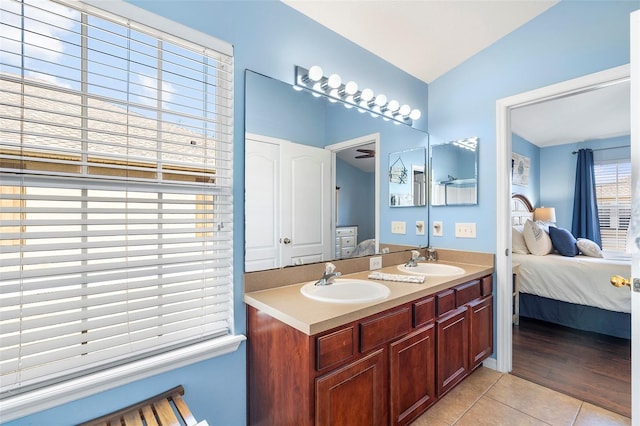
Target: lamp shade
[545,214]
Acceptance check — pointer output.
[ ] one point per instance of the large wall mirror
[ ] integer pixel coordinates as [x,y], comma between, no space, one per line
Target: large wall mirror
[454,173]
[314,168]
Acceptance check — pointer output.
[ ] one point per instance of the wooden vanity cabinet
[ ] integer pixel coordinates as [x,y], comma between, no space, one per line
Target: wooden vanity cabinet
[412,375]
[354,394]
[384,369]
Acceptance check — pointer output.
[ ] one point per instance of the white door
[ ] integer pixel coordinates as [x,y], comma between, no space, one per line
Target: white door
[635,178]
[287,203]
[262,205]
[306,204]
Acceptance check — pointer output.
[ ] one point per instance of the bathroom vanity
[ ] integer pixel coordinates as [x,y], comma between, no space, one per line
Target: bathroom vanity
[379,363]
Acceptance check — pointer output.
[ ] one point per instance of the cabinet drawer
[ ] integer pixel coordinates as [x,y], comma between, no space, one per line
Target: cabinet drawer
[486,284]
[346,252]
[445,301]
[348,241]
[423,311]
[334,348]
[341,232]
[385,328]
[466,292]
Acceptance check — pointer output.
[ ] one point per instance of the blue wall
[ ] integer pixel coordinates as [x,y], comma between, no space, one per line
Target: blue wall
[269,38]
[356,199]
[569,40]
[522,146]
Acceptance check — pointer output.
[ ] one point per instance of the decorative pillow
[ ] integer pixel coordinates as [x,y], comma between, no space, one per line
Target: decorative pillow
[589,248]
[563,241]
[518,245]
[537,239]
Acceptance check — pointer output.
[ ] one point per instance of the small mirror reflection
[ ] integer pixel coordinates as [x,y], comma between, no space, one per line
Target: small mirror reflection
[407,178]
[454,173]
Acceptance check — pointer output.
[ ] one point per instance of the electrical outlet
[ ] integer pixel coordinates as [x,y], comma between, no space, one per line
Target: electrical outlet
[465,230]
[375,262]
[419,227]
[438,229]
[398,227]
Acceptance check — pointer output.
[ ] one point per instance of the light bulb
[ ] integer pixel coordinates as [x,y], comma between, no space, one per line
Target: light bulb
[351,88]
[415,114]
[393,105]
[381,100]
[366,95]
[315,73]
[405,109]
[318,88]
[334,81]
[350,100]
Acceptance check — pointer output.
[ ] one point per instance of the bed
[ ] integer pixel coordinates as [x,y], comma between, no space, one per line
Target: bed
[571,291]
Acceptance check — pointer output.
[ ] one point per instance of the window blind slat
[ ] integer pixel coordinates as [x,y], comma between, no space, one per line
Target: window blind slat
[614,199]
[116,183]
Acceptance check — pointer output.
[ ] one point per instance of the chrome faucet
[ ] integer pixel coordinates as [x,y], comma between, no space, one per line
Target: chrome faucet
[432,255]
[415,258]
[329,275]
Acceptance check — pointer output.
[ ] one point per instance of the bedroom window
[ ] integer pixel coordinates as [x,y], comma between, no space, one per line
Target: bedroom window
[613,192]
[116,203]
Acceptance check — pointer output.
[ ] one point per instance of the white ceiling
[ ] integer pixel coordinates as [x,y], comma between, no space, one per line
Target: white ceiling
[365,164]
[596,114]
[427,38]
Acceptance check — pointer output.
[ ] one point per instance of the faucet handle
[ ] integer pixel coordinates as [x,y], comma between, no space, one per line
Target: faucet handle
[415,254]
[329,268]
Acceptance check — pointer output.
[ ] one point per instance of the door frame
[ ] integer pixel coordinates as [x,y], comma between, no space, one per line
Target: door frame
[352,143]
[504,337]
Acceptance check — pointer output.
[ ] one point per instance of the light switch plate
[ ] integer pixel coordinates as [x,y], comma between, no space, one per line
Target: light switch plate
[398,227]
[375,262]
[465,230]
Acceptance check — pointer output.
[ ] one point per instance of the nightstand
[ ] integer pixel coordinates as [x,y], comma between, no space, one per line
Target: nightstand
[346,240]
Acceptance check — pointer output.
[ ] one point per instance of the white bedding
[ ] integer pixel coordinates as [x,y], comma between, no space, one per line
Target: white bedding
[582,280]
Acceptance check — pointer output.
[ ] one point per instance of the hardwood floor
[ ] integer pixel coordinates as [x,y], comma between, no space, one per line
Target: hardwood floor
[588,366]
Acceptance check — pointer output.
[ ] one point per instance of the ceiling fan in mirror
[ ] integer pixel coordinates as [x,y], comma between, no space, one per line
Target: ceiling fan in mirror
[367,153]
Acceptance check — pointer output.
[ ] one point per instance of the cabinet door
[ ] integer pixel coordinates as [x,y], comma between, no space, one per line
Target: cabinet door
[355,394]
[481,330]
[412,377]
[453,349]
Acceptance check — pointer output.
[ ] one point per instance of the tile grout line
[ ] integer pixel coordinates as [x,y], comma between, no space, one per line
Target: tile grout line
[476,400]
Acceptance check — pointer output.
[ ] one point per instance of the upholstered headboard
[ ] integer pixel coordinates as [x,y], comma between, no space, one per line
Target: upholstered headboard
[521,209]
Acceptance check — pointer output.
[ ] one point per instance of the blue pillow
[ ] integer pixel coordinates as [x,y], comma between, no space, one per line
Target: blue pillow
[563,241]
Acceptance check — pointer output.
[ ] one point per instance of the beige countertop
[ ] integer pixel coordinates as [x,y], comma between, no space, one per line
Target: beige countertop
[288,305]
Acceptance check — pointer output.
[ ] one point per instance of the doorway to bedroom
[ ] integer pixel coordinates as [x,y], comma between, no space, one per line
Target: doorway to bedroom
[540,345]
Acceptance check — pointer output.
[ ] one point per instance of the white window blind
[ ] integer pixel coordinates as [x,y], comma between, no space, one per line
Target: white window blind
[116,192]
[613,193]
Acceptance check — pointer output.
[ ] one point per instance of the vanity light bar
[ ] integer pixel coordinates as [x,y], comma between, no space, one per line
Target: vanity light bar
[334,88]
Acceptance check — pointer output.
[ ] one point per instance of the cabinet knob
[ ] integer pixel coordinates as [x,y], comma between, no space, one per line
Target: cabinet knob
[285,240]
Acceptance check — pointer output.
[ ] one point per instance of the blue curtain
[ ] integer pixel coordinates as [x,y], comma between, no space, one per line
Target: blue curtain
[586,223]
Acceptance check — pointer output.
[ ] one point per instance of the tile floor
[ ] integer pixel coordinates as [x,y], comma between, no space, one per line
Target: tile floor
[490,398]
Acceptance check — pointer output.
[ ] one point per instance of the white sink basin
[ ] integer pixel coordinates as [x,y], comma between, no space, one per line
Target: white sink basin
[344,290]
[432,269]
